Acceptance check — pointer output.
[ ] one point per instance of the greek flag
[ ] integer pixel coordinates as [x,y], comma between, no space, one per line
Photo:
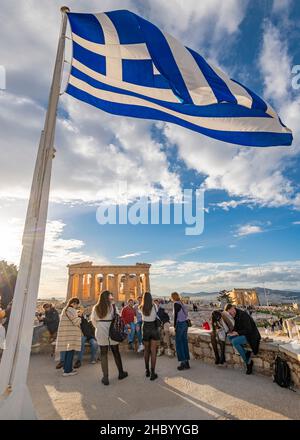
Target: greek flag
[125,65]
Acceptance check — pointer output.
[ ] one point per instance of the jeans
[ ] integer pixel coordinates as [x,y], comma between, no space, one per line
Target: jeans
[181,340]
[135,328]
[238,342]
[68,362]
[94,349]
[138,329]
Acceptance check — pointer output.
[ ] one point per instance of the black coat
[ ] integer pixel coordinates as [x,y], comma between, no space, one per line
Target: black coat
[245,325]
[51,320]
[87,328]
[163,315]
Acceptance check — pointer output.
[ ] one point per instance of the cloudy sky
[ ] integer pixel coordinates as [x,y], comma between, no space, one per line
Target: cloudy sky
[252,196]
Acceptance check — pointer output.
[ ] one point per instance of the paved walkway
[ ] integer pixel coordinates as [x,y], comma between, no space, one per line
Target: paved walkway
[204,392]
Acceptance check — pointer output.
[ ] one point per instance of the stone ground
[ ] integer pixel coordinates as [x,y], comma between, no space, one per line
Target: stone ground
[204,392]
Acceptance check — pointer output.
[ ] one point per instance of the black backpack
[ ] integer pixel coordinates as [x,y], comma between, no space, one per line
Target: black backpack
[117,331]
[282,374]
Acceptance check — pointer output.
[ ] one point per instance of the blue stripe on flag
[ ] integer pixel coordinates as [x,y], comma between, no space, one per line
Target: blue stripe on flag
[163,58]
[253,139]
[90,59]
[213,110]
[218,86]
[127,27]
[138,72]
[257,102]
[86,26]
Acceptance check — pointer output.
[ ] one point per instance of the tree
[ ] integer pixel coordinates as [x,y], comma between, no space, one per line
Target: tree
[8,277]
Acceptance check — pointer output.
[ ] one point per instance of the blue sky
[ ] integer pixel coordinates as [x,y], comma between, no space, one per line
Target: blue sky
[252,196]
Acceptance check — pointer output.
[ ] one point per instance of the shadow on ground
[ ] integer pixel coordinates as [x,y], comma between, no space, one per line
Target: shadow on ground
[204,392]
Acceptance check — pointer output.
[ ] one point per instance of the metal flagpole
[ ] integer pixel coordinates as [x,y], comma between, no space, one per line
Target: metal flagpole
[15,399]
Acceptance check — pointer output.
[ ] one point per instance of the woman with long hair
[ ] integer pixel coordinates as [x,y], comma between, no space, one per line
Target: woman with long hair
[101,317]
[69,335]
[181,331]
[150,333]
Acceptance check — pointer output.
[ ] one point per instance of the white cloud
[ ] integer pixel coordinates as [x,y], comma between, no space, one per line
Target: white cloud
[280,6]
[226,205]
[133,254]
[296,223]
[255,175]
[215,276]
[58,252]
[199,24]
[248,230]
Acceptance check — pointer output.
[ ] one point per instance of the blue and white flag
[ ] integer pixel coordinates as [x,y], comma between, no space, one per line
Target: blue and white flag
[125,65]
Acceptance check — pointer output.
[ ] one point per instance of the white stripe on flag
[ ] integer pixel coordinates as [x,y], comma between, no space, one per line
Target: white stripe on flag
[199,89]
[241,94]
[137,51]
[162,94]
[111,38]
[231,124]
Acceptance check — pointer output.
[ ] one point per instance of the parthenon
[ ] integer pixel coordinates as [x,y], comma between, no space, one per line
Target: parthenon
[86,281]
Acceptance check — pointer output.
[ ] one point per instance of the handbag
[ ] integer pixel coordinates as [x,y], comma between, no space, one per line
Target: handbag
[117,331]
[189,322]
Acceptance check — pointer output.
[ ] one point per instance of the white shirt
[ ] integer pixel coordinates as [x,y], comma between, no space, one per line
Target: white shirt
[152,316]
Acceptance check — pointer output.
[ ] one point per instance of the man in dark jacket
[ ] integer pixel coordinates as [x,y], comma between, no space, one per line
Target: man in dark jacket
[88,335]
[51,319]
[245,332]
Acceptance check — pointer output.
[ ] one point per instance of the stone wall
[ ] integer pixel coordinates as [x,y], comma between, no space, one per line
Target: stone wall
[200,348]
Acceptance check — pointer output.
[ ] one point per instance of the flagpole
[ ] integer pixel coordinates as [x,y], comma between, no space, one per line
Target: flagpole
[15,399]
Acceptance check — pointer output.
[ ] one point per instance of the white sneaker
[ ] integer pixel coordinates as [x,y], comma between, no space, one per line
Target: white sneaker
[72,373]
[169,352]
[141,348]
[93,362]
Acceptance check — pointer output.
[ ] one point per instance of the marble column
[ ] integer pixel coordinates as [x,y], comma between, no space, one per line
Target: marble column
[70,287]
[115,289]
[80,287]
[126,290]
[85,295]
[92,287]
[147,282]
[138,285]
[105,282]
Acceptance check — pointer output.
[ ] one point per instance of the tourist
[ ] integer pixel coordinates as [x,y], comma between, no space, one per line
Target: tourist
[128,315]
[139,323]
[101,317]
[165,338]
[181,331]
[50,319]
[88,335]
[69,335]
[195,308]
[150,332]
[7,315]
[245,332]
[221,326]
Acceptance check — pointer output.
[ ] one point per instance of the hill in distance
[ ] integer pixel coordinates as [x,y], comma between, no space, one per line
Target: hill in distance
[273,296]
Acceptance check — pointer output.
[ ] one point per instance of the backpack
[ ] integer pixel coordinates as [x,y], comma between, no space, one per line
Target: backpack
[282,374]
[117,331]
